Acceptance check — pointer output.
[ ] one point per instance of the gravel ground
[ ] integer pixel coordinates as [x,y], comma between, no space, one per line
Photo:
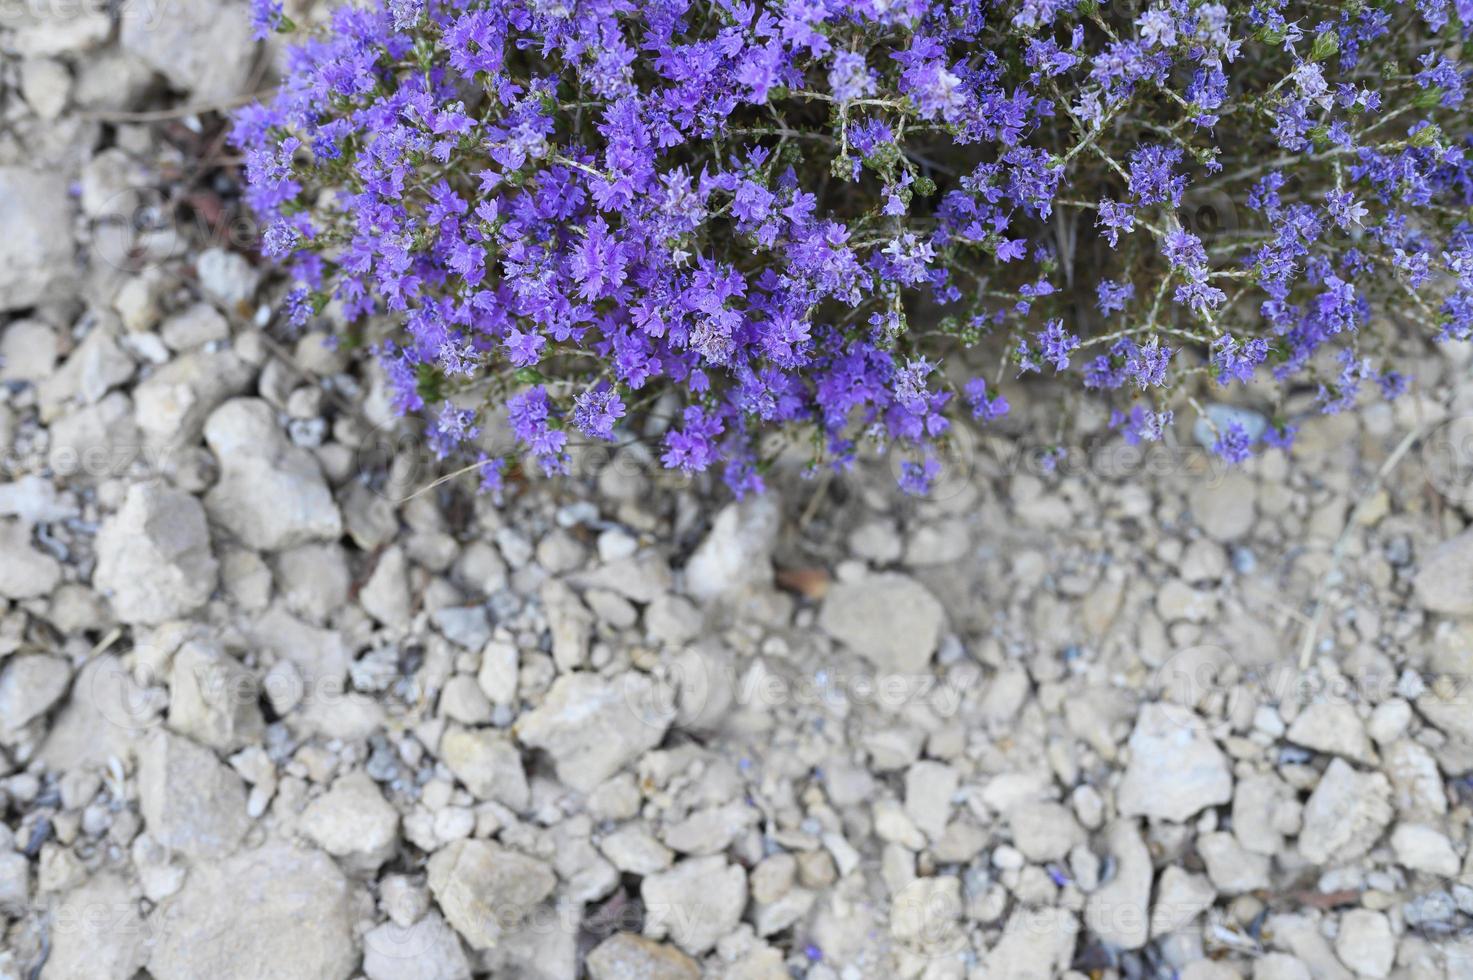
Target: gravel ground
[274,704]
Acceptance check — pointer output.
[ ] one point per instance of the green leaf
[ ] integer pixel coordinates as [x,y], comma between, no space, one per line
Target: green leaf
[429,383]
[1428,98]
[1326,43]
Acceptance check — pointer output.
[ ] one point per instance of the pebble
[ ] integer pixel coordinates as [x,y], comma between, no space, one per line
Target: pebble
[271,494]
[1225,508]
[1423,848]
[1332,727]
[36,252]
[1175,769]
[278,910]
[695,903]
[891,620]
[154,560]
[25,572]
[484,889]
[1365,943]
[592,726]
[487,763]
[1345,814]
[191,802]
[427,949]
[738,550]
[30,685]
[626,956]
[354,822]
[1444,579]
[1118,912]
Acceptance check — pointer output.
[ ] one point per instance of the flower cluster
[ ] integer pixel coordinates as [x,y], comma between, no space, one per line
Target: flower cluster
[846,221]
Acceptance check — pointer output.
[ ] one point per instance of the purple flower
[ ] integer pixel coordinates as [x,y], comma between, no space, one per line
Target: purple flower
[693,448]
[1115,218]
[984,409]
[1056,343]
[1233,443]
[1112,296]
[849,79]
[782,218]
[267,16]
[595,411]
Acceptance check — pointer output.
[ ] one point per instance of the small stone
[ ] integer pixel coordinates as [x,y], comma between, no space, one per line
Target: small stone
[96,442]
[1416,781]
[1389,721]
[1334,728]
[1175,769]
[174,402]
[30,684]
[191,802]
[98,932]
[1280,966]
[36,251]
[1233,869]
[738,550]
[485,889]
[271,494]
[570,623]
[673,620]
[877,541]
[28,351]
[463,700]
[1259,804]
[213,699]
[711,830]
[15,883]
[1119,910]
[385,596]
[926,914]
[153,556]
[25,572]
[197,325]
[1444,580]
[277,911]
[891,620]
[158,876]
[634,850]
[1225,509]
[1176,602]
[929,788]
[465,626]
[403,900]
[695,903]
[137,303]
[203,48]
[1424,848]
[1044,831]
[313,580]
[1035,943]
[487,763]
[1345,815]
[626,956]
[353,821]
[593,726]
[1180,897]
[498,675]
[1365,943]
[427,949]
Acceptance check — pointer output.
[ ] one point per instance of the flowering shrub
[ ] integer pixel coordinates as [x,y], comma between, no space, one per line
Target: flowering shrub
[816,216]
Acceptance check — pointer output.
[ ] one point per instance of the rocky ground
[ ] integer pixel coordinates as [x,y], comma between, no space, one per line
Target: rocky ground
[272,704]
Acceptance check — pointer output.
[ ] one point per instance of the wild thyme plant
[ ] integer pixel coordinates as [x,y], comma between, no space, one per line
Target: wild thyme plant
[801,216]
